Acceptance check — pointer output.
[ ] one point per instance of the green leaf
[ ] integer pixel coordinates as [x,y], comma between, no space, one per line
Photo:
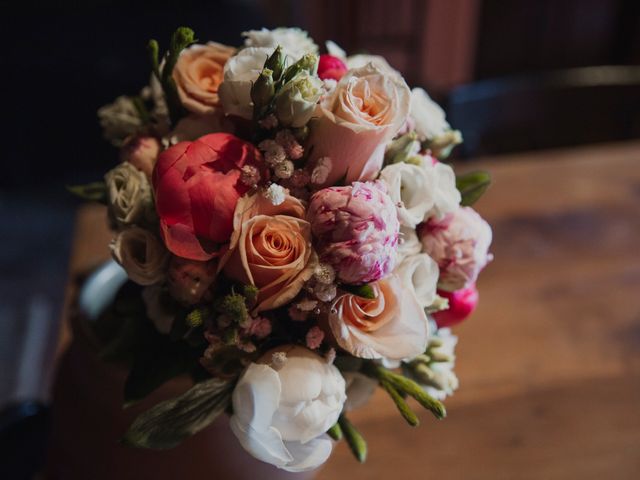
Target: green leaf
[354,439]
[170,422]
[156,363]
[364,291]
[472,185]
[95,191]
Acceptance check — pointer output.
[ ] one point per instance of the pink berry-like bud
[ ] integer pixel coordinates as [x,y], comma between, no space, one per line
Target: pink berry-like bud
[356,230]
[462,303]
[331,67]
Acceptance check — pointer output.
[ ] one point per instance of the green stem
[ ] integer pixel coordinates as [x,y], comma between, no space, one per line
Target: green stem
[335,432]
[402,406]
[353,437]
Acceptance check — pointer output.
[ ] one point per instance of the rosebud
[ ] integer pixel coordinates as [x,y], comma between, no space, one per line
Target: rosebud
[462,303]
[263,89]
[308,63]
[296,102]
[331,67]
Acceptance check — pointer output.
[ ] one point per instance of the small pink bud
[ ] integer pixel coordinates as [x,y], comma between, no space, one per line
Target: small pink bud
[461,304]
[314,338]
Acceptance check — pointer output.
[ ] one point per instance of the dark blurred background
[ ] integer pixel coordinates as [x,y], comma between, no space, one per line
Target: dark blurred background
[513,76]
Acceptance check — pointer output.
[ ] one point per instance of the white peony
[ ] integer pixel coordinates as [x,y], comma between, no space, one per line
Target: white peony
[428,117]
[295,42]
[420,272]
[281,410]
[412,189]
[240,72]
[446,196]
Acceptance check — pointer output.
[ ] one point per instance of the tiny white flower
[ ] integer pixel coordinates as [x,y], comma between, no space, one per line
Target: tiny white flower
[275,194]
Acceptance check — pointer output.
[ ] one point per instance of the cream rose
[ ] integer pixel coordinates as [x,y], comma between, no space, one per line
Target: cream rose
[239,74]
[392,325]
[129,195]
[141,254]
[357,119]
[271,249]
[198,74]
[283,405]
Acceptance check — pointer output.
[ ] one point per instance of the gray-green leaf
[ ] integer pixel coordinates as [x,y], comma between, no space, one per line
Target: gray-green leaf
[96,191]
[472,185]
[170,422]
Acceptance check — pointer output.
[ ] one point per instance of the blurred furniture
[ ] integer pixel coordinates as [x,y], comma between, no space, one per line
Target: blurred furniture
[546,110]
[550,363]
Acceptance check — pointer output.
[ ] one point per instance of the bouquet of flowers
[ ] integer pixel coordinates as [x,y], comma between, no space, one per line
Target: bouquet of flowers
[293,238]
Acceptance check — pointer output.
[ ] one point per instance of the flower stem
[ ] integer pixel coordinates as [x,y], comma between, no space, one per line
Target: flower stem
[335,432]
[353,437]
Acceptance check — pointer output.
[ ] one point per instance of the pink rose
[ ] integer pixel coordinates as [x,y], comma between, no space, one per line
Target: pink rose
[197,185]
[271,249]
[198,73]
[357,119]
[356,230]
[142,153]
[392,325]
[459,243]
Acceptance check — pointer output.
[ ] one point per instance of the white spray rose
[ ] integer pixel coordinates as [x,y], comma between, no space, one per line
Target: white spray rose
[141,254]
[412,189]
[420,272]
[129,195]
[295,42]
[446,196]
[296,102]
[427,115]
[119,120]
[282,409]
[409,243]
[240,72]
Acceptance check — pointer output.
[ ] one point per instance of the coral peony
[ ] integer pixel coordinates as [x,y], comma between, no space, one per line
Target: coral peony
[197,185]
[357,230]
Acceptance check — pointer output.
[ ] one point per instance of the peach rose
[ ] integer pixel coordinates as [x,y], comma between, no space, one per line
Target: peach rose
[392,325]
[357,119]
[271,249]
[198,74]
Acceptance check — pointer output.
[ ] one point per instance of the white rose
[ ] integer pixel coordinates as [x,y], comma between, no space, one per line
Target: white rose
[446,196]
[420,272]
[428,117]
[409,243]
[240,72]
[282,410]
[129,195]
[360,389]
[295,42]
[412,189]
[141,254]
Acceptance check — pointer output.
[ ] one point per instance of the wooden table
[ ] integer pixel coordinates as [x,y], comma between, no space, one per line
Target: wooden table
[549,365]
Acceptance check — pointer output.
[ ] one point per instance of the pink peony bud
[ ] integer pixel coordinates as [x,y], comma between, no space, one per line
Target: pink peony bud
[459,243]
[330,67]
[462,303]
[356,230]
[190,280]
[142,153]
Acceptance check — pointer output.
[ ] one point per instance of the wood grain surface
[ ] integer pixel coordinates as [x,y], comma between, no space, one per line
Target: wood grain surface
[549,365]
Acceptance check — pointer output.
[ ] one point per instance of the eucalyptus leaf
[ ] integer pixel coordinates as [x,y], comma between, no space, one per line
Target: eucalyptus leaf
[168,423]
[472,185]
[95,191]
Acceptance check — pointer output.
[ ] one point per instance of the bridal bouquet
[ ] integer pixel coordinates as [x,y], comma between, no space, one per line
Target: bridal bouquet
[293,238]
